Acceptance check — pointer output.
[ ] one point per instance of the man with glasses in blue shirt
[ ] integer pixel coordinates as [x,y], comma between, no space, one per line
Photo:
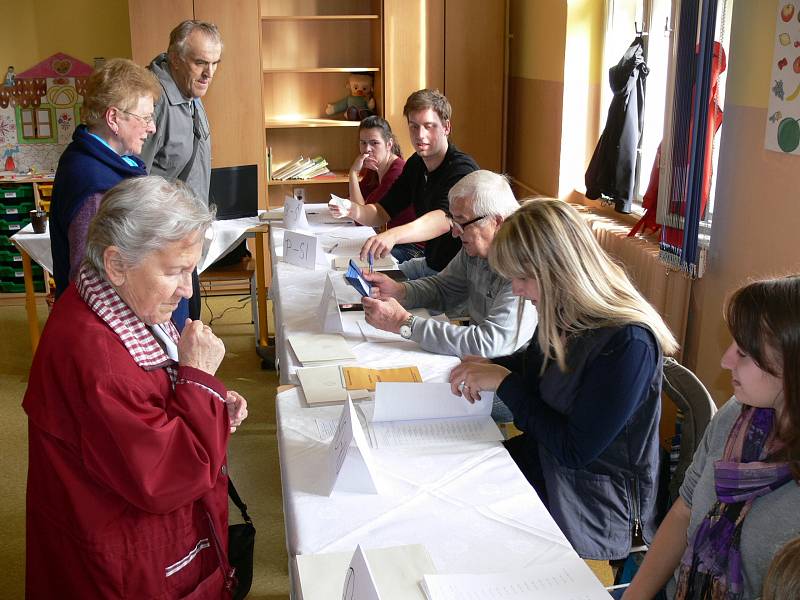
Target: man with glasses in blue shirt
[478,205]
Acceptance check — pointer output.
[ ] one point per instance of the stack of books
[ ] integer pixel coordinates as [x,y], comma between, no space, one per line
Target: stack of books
[302,168]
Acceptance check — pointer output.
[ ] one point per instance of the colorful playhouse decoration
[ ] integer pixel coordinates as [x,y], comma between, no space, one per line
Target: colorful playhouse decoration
[39,112]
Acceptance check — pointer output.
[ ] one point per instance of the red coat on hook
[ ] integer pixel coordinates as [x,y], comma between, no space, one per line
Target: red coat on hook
[650,199]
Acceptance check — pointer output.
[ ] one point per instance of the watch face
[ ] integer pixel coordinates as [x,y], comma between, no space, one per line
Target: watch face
[405,331]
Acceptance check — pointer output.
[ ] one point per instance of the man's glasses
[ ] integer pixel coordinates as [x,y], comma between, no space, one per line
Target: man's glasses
[147,119]
[458,228]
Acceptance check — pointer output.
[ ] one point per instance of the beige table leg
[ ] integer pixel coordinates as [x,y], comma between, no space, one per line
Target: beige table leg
[264,350]
[30,300]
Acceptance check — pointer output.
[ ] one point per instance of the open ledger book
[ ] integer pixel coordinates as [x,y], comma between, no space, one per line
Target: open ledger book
[566,579]
[422,414]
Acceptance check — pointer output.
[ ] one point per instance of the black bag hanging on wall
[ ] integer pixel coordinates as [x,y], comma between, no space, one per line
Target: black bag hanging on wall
[241,546]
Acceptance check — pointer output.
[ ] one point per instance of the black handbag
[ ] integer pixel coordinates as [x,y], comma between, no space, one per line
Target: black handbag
[241,546]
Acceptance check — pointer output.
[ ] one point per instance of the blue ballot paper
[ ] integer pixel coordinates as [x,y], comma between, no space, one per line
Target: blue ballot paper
[355,278]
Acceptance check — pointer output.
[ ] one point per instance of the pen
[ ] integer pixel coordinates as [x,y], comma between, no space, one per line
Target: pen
[371,263]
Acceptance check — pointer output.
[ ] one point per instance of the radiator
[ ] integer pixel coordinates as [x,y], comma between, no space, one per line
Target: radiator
[665,288]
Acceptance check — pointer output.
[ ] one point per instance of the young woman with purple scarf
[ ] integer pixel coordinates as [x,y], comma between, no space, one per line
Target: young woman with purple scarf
[739,500]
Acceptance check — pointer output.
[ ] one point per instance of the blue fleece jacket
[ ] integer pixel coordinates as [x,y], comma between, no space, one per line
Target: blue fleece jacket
[86,168]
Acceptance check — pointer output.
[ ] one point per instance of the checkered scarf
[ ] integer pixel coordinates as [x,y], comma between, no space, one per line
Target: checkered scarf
[140,342]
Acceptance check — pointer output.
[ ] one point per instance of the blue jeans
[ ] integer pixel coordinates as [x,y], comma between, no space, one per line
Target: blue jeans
[416,268]
[404,252]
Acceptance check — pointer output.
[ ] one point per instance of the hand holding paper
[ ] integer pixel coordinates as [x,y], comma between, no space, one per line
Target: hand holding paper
[388,315]
[471,378]
[339,207]
[384,287]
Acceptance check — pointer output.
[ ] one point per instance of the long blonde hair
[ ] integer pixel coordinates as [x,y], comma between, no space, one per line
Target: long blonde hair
[580,287]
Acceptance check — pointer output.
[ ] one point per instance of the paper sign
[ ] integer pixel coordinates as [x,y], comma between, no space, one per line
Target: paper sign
[328,312]
[294,214]
[359,582]
[301,249]
[350,468]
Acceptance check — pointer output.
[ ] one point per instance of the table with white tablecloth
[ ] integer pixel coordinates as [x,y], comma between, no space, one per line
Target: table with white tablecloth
[468,503]
[222,238]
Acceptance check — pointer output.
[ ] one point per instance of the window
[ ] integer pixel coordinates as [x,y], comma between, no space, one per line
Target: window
[624,19]
[36,123]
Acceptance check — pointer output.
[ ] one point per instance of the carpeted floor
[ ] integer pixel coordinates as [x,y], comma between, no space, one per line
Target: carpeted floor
[253,454]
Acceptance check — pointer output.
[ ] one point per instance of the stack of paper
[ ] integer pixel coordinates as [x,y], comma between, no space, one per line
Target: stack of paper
[398,572]
[302,168]
[330,384]
[320,349]
[567,579]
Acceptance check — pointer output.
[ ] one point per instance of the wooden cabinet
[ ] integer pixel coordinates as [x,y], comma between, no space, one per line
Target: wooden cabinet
[308,49]
[233,101]
[284,60]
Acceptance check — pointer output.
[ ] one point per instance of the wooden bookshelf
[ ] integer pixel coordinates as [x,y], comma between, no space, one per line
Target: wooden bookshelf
[308,48]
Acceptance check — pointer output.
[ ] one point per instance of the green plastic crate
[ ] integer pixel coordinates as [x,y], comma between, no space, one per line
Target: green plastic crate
[21,208]
[16,191]
[16,272]
[18,288]
[9,228]
[10,258]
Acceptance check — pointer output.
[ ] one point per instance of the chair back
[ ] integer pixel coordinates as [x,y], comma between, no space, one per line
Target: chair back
[697,408]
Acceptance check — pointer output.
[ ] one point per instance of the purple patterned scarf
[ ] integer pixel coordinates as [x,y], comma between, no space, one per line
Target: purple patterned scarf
[711,567]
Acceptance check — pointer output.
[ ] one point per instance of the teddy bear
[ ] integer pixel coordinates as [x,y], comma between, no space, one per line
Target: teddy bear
[359,103]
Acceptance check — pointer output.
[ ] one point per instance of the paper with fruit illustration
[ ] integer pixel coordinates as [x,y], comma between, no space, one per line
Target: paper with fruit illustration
[783,115]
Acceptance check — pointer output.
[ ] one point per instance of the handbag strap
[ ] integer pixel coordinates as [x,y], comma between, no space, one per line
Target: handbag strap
[238,501]
[195,142]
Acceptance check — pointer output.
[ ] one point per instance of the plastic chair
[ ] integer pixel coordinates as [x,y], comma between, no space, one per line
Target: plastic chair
[695,411]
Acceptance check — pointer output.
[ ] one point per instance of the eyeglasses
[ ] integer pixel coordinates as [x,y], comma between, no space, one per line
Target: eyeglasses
[458,228]
[147,119]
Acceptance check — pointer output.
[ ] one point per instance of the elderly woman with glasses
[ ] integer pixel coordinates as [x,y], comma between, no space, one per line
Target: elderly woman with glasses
[118,117]
[128,426]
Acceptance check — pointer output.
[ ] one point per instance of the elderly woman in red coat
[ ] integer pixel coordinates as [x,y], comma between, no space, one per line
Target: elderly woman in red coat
[128,426]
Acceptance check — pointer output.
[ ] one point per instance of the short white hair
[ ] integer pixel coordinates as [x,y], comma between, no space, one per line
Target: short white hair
[490,193]
[141,215]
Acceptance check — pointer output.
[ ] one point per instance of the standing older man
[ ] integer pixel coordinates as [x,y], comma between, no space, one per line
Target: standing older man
[181,145]
[479,203]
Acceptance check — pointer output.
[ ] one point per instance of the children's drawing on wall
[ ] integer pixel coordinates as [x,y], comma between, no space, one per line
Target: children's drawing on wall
[39,112]
[783,114]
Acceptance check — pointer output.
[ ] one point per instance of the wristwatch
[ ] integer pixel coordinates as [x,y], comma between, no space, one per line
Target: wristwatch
[407,326]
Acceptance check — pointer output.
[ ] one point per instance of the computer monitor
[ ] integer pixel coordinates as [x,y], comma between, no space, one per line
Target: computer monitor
[234,190]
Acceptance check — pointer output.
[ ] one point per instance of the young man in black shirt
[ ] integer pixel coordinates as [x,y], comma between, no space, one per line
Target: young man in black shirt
[424,183]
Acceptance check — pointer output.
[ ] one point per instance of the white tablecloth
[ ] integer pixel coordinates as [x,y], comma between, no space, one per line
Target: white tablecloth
[296,293]
[225,235]
[467,503]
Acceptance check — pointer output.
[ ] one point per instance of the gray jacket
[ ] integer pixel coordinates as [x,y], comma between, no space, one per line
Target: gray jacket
[491,306]
[169,149]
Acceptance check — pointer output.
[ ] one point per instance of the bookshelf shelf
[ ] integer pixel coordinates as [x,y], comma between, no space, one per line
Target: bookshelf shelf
[308,48]
[320,17]
[307,122]
[337,177]
[322,70]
